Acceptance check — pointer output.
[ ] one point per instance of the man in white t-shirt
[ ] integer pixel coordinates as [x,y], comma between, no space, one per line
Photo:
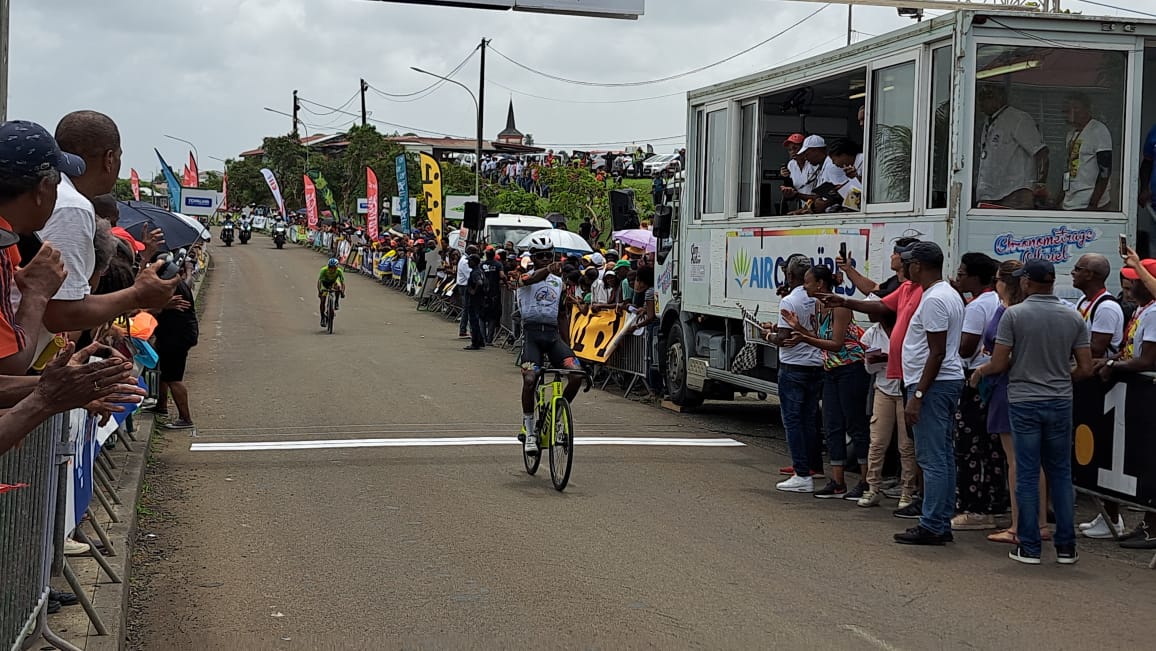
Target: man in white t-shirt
[933,377]
[800,382]
[1089,159]
[796,169]
[463,280]
[1013,159]
[981,484]
[1101,310]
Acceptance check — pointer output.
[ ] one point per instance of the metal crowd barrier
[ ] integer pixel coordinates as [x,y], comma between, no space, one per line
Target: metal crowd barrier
[27,519]
[632,359]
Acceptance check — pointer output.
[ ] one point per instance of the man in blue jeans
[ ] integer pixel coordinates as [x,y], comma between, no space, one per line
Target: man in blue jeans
[1034,345]
[800,382]
[933,377]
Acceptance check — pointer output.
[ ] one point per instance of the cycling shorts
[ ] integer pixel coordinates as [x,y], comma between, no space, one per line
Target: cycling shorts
[544,341]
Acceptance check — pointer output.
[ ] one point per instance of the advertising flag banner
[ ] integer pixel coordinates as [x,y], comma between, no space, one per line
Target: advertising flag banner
[403,189]
[431,182]
[134,179]
[225,191]
[310,202]
[194,172]
[173,184]
[274,188]
[374,204]
[325,192]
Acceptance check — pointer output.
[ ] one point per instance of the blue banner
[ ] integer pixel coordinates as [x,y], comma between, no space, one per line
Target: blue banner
[173,184]
[402,192]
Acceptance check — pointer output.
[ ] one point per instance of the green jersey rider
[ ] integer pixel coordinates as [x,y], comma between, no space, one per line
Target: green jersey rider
[540,302]
[331,278]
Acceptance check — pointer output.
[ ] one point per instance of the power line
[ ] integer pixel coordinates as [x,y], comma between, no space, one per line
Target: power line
[607,144]
[431,88]
[663,79]
[585,101]
[389,124]
[1108,6]
[347,103]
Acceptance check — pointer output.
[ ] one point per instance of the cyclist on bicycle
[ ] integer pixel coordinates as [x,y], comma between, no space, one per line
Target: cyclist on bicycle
[331,278]
[540,302]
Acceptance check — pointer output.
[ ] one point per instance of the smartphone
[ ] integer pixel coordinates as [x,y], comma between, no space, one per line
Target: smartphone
[1123,245]
[843,251]
[28,246]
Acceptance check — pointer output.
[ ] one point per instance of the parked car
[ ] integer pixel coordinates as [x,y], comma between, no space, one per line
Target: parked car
[660,164]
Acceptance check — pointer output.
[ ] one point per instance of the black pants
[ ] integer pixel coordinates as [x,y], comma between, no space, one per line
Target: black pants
[473,315]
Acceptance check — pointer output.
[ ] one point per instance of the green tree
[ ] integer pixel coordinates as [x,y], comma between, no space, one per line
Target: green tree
[212,181]
[123,190]
[246,185]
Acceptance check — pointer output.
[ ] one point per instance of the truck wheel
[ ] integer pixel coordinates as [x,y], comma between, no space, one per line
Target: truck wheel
[676,356]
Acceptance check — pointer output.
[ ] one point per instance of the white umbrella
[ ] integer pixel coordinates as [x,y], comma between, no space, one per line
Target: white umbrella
[563,241]
[205,235]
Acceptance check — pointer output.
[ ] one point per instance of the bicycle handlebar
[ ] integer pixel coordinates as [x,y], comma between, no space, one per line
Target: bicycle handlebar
[587,381]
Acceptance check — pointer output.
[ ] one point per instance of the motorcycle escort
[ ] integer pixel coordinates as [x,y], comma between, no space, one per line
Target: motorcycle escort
[227,233]
[279,234]
[245,231]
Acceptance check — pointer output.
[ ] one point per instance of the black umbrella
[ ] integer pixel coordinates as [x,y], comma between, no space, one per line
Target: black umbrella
[137,216]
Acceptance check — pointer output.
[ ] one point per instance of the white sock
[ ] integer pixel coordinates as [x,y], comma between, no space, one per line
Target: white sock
[528,421]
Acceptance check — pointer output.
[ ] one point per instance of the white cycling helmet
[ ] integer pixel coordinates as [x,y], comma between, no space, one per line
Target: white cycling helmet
[541,244]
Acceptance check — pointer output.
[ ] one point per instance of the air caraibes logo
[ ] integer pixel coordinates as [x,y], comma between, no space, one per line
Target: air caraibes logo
[741,264]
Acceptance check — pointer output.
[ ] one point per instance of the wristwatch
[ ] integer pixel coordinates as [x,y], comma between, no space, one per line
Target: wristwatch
[1111,363]
[918,394]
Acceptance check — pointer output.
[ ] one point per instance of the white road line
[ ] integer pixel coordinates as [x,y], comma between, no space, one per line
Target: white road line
[869,637]
[510,424]
[454,441]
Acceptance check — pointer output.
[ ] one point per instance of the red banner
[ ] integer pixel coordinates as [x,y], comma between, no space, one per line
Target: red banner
[225,191]
[311,202]
[134,179]
[196,173]
[187,178]
[374,203]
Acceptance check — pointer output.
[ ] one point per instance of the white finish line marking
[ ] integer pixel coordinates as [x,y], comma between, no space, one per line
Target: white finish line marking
[453,441]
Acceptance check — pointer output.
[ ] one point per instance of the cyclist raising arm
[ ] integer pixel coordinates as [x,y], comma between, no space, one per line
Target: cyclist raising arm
[331,278]
[540,301]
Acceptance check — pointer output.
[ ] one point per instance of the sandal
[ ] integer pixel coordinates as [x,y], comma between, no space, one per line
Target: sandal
[1006,536]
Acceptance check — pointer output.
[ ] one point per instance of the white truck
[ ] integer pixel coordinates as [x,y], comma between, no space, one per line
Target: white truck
[939,164]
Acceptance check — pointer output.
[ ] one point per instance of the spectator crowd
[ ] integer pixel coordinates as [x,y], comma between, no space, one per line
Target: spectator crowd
[974,373]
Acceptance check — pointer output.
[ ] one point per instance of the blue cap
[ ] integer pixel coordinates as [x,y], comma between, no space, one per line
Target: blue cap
[1037,270]
[27,149]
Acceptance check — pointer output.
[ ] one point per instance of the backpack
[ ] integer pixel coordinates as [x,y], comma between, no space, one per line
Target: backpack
[1128,308]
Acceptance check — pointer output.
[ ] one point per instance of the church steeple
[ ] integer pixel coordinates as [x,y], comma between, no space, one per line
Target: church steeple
[510,134]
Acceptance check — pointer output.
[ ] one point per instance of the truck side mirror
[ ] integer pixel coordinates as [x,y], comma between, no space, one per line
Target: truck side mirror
[663,215]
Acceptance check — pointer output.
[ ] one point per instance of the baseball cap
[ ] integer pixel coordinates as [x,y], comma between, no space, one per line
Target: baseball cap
[923,252]
[132,241]
[26,149]
[813,142]
[598,259]
[622,263]
[1037,270]
[1130,273]
[796,138]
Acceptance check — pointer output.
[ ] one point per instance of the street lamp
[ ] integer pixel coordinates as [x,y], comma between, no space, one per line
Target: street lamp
[478,145]
[196,155]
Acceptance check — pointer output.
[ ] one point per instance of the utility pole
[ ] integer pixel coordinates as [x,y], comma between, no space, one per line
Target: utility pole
[481,113]
[849,23]
[296,107]
[4,6]
[364,87]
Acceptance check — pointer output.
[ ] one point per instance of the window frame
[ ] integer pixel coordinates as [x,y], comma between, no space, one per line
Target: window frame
[729,162]
[1129,125]
[753,172]
[929,123]
[919,136]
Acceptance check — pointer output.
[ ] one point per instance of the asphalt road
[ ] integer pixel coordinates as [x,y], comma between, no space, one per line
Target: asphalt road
[456,547]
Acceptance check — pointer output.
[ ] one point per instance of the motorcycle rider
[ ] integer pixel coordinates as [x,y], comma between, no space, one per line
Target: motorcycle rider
[227,229]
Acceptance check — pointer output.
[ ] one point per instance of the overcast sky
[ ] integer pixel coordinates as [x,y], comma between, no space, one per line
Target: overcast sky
[205,70]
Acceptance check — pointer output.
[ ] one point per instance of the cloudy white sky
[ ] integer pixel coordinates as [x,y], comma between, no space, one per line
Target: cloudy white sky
[205,70]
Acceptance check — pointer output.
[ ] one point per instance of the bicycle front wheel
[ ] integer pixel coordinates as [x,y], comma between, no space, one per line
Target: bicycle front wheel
[562,451]
[330,315]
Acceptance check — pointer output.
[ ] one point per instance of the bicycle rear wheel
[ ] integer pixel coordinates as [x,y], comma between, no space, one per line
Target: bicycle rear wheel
[562,451]
[532,461]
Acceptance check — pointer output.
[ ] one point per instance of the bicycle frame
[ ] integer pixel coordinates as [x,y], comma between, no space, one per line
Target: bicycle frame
[548,406]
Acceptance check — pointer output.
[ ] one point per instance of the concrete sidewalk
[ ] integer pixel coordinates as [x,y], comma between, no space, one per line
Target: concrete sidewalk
[110,600]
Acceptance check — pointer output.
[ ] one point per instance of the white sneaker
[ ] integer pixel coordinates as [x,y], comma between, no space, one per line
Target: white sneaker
[1098,528]
[797,484]
[74,548]
[870,498]
[530,446]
